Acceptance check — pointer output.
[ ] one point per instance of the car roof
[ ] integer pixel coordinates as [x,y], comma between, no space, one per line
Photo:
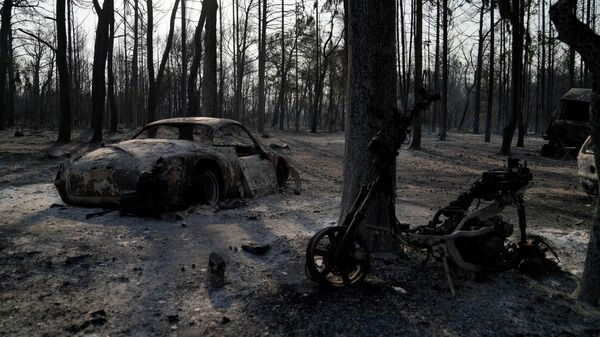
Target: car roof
[208,121]
[578,94]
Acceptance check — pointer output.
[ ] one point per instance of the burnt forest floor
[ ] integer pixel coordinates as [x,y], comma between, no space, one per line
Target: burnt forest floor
[62,275]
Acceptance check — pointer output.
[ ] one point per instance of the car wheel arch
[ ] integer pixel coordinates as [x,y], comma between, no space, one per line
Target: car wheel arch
[204,164]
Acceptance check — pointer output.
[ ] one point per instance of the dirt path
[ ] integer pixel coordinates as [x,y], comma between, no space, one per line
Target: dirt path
[61,274]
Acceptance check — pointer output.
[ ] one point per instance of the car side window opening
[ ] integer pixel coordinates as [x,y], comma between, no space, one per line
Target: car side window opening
[202,133]
[577,111]
[235,136]
[167,132]
[160,132]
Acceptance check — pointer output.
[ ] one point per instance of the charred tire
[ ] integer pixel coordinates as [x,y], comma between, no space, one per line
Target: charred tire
[282,173]
[322,267]
[589,186]
[209,187]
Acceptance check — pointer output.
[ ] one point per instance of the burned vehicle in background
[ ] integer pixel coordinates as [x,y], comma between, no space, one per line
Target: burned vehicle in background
[586,168]
[173,163]
[570,126]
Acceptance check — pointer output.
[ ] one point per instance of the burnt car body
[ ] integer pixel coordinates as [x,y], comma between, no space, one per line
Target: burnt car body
[586,168]
[570,123]
[173,163]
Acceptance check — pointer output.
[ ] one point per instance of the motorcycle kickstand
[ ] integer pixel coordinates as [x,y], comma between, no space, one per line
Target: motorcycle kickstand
[448,276]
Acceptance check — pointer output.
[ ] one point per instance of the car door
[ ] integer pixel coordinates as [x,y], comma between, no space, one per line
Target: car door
[258,173]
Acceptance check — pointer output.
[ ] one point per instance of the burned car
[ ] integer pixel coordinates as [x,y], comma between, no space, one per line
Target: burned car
[173,163]
[570,123]
[586,168]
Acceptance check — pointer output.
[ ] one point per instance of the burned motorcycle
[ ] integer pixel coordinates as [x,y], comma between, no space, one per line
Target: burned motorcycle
[471,237]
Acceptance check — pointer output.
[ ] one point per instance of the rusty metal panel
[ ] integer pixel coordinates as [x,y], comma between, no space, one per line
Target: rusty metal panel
[259,174]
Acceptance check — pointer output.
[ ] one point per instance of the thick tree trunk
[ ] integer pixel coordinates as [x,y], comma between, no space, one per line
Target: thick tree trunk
[99,67]
[135,83]
[221,71]
[209,80]
[193,96]
[478,74]
[241,65]
[371,101]
[416,138]
[444,119]
[262,60]
[151,103]
[64,124]
[516,79]
[314,116]
[584,40]
[5,54]
[320,79]
[155,83]
[490,99]
[114,114]
[184,59]
[12,87]
[283,90]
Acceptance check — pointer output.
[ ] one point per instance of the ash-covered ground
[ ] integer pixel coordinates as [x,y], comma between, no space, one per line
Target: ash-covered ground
[62,274]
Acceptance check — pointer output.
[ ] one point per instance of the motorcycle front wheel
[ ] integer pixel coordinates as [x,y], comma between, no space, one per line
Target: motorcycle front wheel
[322,266]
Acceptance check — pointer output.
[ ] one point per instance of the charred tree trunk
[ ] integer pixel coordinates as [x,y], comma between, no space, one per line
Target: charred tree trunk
[478,72]
[64,124]
[444,119]
[416,139]
[193,96]
[154,83]
[516,76]
[587,43]
[134,85]
[99,66]
[184,59]
[12,86]
[490,99]
[114,115]
[221,72]
[283,90]
[314,116]
[209,80]
[262,60]
[371,101]
[5,54]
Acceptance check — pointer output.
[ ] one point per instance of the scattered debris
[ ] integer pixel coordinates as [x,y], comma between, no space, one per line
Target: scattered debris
[399,289]
[255,248]
[173,318]
[284,146]
[215,278]
[96,214]
[93,318]
[73,260]
[230,204]
[57,154]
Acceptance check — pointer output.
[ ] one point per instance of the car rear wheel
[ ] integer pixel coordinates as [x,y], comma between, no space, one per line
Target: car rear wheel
[209,185]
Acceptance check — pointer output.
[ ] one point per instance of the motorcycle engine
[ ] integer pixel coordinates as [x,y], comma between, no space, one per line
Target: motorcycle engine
[486,250]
